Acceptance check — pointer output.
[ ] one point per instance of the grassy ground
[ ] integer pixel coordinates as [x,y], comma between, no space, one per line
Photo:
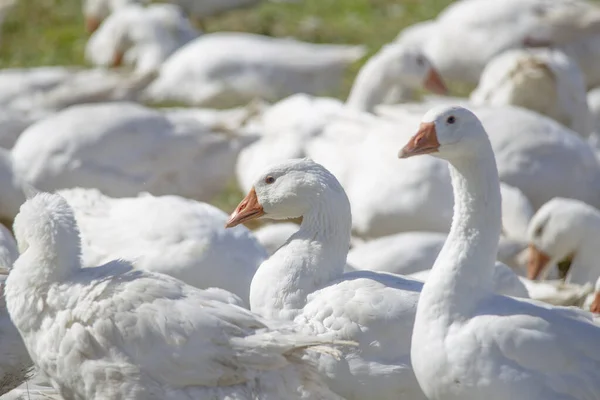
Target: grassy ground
[51,32]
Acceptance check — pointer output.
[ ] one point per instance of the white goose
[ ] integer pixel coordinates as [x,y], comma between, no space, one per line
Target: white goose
[227,69]
[111,332]
[305,281]
[123,149]
[140,37]
[469,343]
[543,80]
[179,237]
[565,230]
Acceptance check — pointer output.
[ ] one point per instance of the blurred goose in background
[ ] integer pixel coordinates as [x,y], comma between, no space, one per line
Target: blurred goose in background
[227,69]
[565,230]
[123,149]
[140,37]
[221,351]
[392,70]
[543,80]
[468,34]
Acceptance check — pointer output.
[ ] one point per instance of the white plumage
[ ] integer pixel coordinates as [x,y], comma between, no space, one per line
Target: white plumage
[469,343]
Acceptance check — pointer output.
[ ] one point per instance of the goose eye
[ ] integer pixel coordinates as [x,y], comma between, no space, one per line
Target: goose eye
[269,180]
[539,230]
[420,61]
[451,119]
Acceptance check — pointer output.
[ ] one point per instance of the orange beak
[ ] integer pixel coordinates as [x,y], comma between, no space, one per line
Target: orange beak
[117,59]
[434,82]
[424,142]
[91,24]
[536,263]
[248,209]
[595,307]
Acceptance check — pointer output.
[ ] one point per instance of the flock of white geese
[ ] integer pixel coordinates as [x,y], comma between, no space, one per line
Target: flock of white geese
[467,269]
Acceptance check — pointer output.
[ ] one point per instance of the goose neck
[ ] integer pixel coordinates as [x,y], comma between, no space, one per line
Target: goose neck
[463,269]
[309,260]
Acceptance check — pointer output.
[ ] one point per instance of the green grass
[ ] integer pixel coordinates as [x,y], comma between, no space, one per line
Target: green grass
[51,32]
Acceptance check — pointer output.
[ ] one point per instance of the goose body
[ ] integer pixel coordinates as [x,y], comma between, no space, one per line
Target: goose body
[105,319]
[304,281]
[179,237]
[123,149]
[469,343]
[227,69]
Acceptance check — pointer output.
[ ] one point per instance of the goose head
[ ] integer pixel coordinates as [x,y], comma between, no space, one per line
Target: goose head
[47,234]
[411,68]
[289,190]
[557,233]
[450,133]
